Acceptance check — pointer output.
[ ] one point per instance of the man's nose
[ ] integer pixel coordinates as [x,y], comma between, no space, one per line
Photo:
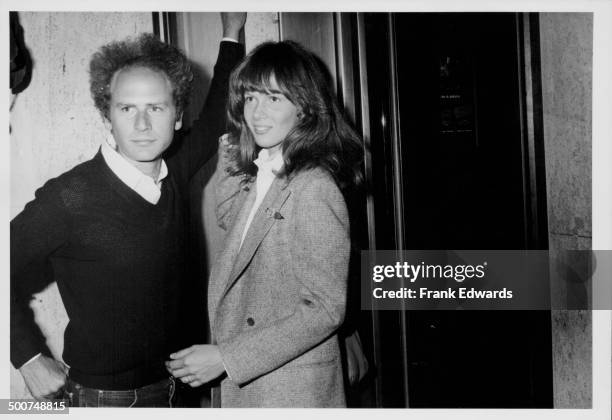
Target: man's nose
[142,122]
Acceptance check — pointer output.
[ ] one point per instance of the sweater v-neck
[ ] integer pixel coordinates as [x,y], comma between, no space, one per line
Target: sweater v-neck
[134,199]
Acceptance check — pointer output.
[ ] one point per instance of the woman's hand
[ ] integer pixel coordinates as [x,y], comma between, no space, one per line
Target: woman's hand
[196,365]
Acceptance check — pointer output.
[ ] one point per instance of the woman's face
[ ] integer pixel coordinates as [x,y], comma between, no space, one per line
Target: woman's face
[270,116]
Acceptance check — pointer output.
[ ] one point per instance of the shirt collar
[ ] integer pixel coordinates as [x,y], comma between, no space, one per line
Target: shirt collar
[130,175]
[270,164]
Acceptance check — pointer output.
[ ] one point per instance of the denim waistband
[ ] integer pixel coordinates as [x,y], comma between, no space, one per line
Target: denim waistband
[158,394]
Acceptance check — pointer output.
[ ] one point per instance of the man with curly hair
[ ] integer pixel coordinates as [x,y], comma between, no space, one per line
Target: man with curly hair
[112,231]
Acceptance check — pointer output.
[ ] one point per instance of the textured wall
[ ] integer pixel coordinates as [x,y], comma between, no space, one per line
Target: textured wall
[260,27]
[54,124]
[566,49]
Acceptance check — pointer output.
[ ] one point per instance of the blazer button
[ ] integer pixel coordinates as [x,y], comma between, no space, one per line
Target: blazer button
[250,321]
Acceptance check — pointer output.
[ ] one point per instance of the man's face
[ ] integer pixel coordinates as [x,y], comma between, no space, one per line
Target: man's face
[142,114]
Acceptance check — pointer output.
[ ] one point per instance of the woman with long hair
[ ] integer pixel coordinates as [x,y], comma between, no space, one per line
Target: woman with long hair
[277,290]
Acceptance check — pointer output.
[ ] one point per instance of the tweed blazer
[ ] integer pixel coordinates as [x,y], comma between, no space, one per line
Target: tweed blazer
[276,302]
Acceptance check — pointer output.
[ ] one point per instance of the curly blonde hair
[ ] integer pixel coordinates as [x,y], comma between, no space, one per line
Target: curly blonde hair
[144,51]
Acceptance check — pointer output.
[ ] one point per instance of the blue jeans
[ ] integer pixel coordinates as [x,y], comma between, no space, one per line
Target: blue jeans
[159,394]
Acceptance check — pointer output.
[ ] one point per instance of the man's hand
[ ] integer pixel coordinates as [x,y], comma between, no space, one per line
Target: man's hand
[44,376]
[196,365]
[233,24]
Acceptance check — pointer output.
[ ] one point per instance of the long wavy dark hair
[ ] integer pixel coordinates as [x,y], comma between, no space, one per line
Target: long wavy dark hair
[322,137]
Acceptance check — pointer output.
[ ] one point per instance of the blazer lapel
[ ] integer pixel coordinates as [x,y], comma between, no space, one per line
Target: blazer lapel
[225,260]
[268,212]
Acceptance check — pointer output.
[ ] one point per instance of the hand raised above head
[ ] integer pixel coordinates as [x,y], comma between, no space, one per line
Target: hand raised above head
[232,24]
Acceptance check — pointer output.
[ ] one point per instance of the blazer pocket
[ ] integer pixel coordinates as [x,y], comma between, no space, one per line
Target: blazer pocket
[309,365]
[326,353]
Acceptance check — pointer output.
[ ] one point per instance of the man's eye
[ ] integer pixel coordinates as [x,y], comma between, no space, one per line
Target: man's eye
[157,109]
[275,98]
[249,99]
[125,108]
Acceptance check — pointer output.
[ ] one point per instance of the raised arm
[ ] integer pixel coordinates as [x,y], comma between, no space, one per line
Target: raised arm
[200,143]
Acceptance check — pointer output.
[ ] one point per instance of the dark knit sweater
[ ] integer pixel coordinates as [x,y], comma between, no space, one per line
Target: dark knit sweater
[118,260]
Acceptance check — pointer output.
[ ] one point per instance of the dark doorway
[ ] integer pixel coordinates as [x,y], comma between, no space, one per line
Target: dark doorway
[458,183]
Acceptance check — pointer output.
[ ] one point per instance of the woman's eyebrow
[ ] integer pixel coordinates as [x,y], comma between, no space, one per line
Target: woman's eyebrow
[264,90]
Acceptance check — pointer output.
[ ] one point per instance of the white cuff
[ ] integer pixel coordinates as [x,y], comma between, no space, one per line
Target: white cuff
[32,359]
[225,367]
[227,38]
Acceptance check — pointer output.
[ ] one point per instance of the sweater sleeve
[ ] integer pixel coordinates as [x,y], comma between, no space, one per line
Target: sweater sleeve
[35,234]
[200,143]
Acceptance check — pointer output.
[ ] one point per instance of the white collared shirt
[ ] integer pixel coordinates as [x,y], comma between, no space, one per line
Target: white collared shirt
[267,169]
[145,186]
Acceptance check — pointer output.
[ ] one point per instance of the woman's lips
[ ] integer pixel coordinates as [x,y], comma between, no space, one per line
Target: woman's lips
[261,129]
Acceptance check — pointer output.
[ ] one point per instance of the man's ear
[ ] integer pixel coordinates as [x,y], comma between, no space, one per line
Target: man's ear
[107,124]
[179,122]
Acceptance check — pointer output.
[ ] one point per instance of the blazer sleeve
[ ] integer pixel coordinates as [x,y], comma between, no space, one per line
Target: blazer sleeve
[319,251]
[199,144]
[35,234]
